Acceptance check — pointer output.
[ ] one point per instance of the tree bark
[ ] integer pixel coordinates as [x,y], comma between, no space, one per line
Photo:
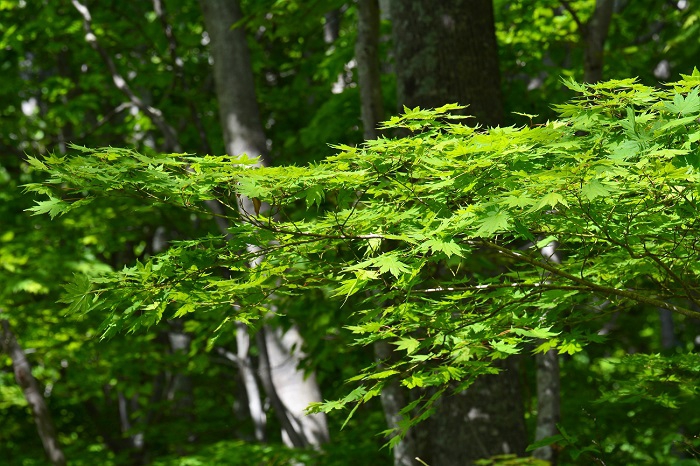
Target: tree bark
[32,393]
[393,397]
[485,420]
[446,52]
[243,133]
[368,67]
[594,34]
[548,384]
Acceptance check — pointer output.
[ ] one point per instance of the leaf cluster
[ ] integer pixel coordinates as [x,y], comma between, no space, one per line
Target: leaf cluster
[432,242]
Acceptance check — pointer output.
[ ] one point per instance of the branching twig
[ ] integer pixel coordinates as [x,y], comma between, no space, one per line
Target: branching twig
[154,114]
[567,6]
[179,66]
[493,286]
[608,290]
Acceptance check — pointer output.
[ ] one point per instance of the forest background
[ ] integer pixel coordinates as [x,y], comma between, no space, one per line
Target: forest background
[293,83]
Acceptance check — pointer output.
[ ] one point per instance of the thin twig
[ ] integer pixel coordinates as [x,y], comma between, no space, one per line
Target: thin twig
[153,113]
[628,294]
[567,6]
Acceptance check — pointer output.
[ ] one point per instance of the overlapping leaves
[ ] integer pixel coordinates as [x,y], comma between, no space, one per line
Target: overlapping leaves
[432,241]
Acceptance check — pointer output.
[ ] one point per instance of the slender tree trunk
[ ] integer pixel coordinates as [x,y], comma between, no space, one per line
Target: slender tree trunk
[594,34]
[368,63]
[548,394]
[548,384]
[181,390]
[668,333]
[32,393]
[136,438]
[446,52]
[250,382]
[243,133]
[393,397]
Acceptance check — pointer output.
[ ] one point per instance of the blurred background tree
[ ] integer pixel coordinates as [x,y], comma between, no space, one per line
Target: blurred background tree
[144,75]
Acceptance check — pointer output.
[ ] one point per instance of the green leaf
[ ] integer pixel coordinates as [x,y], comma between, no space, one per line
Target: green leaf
[495,221]
[409,344]
[535,332]
[545,442]
[53,207]
[78,294]
[383,374]
[390,263]
[550,200]
[504,347]
[684,105]
[314,195]
[449,248]
[593,189]
[545,241]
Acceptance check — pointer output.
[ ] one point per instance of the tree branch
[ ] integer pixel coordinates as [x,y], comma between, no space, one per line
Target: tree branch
[171,142]
[179,65]
[495,286]
[640,298]
[567,6]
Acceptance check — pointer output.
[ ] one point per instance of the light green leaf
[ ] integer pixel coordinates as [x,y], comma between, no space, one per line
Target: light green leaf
[53,207]
[684,105]
[594,188]
[449,248]
[390,263]
[409,344]
[535,332]
[550,200]
[383,374]
[494,222]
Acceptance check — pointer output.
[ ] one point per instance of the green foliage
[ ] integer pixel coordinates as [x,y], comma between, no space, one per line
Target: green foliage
[395,226]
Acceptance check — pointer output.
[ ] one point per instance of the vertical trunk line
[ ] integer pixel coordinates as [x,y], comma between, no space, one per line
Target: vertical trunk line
[32,393]
[368,67]
[243,133]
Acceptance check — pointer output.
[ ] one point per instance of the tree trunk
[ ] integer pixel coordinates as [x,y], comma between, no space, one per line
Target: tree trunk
[595,32]
[446,52]
[483,421]
[548,394]
[181,390]
[393,397]
[233,77]
[368,73]
[548,386]
[32,393]
[243,133]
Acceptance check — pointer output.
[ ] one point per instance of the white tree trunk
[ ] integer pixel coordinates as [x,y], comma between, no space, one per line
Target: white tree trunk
[243,133]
